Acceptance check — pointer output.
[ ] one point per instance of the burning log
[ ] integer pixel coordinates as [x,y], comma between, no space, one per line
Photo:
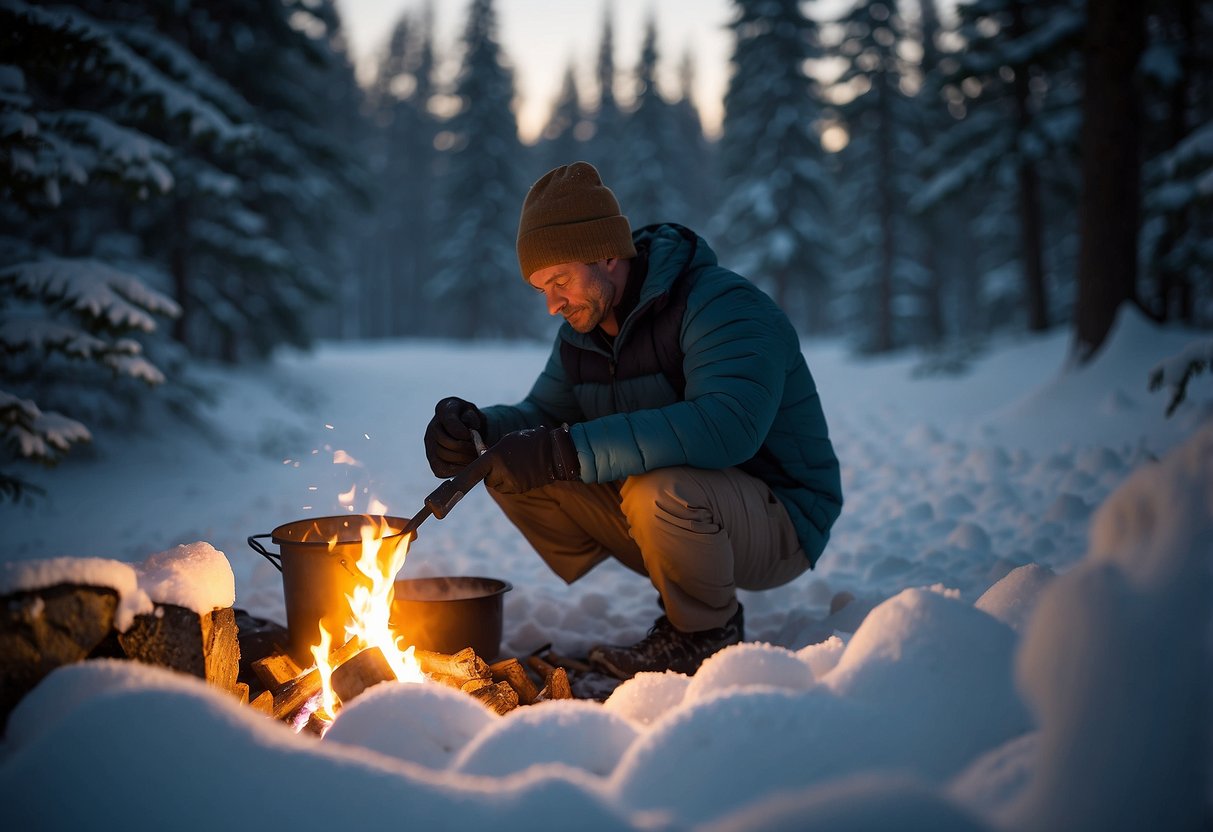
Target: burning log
[498,696]
[365,670]
[512,671]
[264,703]
[453,670]
[295,694]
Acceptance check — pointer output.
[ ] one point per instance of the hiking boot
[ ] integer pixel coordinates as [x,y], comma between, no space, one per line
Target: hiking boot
[668,648]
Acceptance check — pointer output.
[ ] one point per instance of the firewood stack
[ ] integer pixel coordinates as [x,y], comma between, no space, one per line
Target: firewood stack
[502,686]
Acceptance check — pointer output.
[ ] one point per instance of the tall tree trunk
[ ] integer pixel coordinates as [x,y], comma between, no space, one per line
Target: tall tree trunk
[1030,236]
[1110,201]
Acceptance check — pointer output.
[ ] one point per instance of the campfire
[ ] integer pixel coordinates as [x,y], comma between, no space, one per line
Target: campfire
[367,651]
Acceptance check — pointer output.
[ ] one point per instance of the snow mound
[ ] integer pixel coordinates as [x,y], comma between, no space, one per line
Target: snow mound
[749,665]
[195,576]
[738,747]
[574,732]
[939,674]
[426,724]
[857,804]
[646,697]
[1124,742]
[163,758]
[823,656]
[66,688]
[1013,598]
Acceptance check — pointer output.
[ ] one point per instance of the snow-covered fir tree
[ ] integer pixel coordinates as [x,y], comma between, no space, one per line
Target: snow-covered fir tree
[774,221]
[252,270]
[78,105]
[693,167]
[400,248]
[646,182]
[885,301]
[562,138]
[1176,253]
[604,149]
[477,290]
[1012,86]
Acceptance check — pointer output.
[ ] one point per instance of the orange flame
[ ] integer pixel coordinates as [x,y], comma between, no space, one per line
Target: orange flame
[328,697]
[370,608]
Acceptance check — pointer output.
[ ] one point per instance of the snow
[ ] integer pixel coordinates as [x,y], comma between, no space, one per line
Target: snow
[1009,628]
[194,576]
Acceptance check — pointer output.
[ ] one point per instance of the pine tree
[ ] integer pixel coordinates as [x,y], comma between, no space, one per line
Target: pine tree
[1012,87]
[1178,213]
[693,164]
[477,287]
[774,219]
[646,186]
[560,143]
[399,254]
[604,149]
[77,310]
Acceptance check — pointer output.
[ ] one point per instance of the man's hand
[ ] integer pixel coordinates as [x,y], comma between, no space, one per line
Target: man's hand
[531,458]
[448,437]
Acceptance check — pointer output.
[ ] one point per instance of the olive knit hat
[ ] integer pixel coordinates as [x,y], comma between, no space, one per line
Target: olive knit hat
[569,216]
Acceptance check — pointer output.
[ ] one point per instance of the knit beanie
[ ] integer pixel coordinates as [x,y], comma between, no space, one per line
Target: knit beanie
[569,216]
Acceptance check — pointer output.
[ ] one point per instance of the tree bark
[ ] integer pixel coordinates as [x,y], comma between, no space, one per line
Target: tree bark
[1110,202]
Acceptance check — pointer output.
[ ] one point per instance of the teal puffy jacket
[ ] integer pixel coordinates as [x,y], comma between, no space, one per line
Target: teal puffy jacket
[706,371]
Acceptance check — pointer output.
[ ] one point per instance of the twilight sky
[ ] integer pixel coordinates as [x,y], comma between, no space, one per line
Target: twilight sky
[540,37]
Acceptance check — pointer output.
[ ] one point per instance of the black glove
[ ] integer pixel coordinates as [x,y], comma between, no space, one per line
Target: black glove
[448,437]
[531,458]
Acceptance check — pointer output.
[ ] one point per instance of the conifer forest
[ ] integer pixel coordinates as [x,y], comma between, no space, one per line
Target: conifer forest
[208,181]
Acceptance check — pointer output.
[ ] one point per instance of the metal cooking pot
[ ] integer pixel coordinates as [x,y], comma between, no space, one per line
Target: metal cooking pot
[318,575]
[448,614]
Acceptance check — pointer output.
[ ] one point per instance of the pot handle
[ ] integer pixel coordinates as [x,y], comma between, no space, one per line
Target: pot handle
[275,559]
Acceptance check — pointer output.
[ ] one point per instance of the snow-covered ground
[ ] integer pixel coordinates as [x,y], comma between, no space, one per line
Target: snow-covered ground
[980,691]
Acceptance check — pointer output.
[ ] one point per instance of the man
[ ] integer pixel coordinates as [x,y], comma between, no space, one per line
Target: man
[675,427]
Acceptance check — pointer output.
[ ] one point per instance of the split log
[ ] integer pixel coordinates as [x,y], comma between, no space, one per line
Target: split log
[241,692]
[259,637]
[556,680]
[263,703]
[206,645]
[43,629]
[276,670]
[512,671]
[456,669]
[473,685]
[365,670]
[499,697]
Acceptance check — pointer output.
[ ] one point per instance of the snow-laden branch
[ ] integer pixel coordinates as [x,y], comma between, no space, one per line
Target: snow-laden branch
[91,288]
[1175,372]
[109,54]
[36,434]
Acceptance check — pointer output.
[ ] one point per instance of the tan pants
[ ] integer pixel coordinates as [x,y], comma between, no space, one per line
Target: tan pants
[698,535]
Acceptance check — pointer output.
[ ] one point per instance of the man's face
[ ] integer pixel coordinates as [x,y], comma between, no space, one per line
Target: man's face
[582,292]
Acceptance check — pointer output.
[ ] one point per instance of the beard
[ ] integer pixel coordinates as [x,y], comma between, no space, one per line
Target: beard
[599,301]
